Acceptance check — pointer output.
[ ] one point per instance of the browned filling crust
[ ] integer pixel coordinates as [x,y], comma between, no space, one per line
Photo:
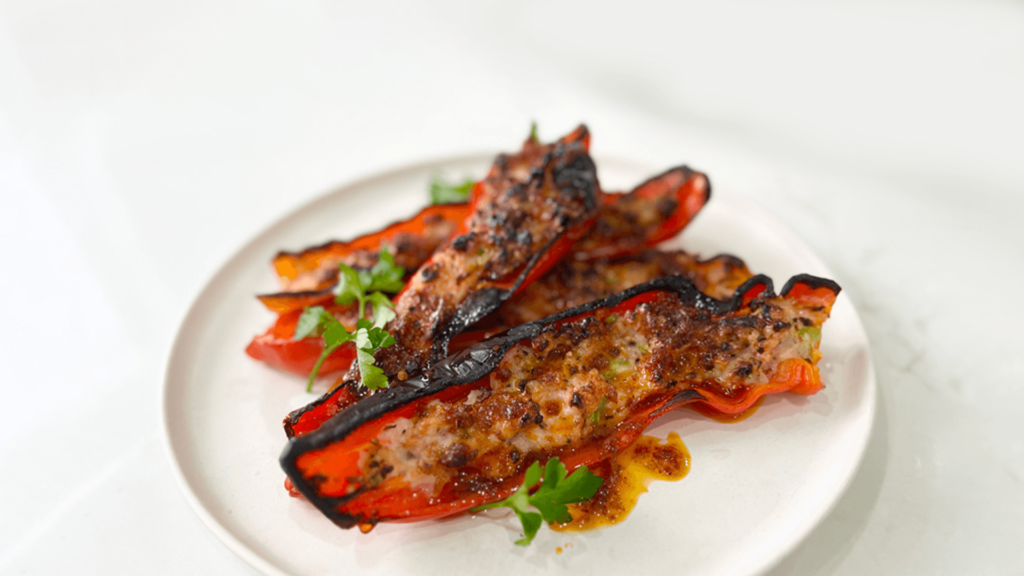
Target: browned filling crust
[527,203]
[572,283]
[577,382]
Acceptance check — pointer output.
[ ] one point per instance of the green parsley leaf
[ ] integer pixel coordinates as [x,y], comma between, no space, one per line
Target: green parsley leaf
[385,276]
[383,308]
[354,285]
[378,338]
[316,320]
[372,376]
[350,286]
[531,522]
[442,192]
[533,131]
[368,339]
[335,334]
[550,498]
[357,286]
[309,322]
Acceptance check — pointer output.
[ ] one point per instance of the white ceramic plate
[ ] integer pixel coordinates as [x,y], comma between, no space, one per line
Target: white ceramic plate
[755,488]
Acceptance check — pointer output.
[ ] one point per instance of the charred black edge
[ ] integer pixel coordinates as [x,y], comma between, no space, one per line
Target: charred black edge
[481,359]
[480,303]
[688,174]
[651,254]
[734,261]
[329,243]
[814,282]
[300,294]
[483,302]
[293,416]
[584,133]
[679,399]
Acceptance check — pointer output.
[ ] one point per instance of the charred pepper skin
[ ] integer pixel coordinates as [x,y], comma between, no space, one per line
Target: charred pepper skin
[654,211]
[308,277]
[550,192]
[308,459]
[626,225]
[571,283]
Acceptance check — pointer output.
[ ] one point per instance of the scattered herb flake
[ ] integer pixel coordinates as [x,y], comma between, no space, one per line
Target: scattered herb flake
[442,192]
[597,415]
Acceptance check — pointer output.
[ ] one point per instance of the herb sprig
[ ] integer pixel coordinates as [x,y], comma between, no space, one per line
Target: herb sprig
[369,285]
[442,192]
[363,286]
[550,499]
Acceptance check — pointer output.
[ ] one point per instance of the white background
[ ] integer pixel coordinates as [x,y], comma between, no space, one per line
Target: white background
[142,142]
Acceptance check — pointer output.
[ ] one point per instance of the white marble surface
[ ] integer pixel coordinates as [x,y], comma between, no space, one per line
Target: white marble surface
[142,142]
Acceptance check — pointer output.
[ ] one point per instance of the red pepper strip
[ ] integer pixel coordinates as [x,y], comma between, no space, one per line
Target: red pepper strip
[653,212]
[286,302]
[330,466]
[527,214]
[277,348]
[411,243]
[626,224]
[545,162]
[290,265]
[571,284]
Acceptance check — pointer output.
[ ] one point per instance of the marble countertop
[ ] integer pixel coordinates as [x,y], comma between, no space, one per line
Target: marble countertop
[142,143]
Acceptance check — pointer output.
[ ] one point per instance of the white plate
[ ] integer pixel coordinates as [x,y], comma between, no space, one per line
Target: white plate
[755,489]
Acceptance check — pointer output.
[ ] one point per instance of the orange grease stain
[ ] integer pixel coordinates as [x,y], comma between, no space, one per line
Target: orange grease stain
[626,478]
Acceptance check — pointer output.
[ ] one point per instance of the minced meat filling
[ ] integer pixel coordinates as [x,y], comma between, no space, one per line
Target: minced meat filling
[578,381]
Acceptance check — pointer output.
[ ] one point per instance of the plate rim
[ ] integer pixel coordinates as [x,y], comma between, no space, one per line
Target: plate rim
[805,527]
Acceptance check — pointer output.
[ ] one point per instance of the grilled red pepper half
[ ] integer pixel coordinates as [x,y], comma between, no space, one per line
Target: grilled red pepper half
[653,212]
[580,385]
[411,242]
[526,215]
[308,277]
[570,284]
[573,283]
[626,223]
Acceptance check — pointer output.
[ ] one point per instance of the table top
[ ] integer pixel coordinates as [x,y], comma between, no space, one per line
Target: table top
[142,143]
